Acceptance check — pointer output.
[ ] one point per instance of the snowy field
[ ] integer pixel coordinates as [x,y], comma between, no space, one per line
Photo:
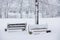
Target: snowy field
[53,24]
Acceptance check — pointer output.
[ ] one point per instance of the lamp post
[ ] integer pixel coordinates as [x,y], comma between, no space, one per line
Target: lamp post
[37,11]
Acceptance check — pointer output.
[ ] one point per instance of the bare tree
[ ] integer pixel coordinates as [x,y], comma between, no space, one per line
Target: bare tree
[21,8]
[0,8]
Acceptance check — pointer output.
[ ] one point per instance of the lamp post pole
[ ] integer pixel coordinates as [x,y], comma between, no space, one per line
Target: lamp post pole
[37,11]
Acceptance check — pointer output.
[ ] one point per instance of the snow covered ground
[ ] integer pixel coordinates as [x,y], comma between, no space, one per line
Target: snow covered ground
[53,23]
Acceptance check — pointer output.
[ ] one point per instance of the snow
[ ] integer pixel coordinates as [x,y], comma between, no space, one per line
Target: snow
[53,23]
